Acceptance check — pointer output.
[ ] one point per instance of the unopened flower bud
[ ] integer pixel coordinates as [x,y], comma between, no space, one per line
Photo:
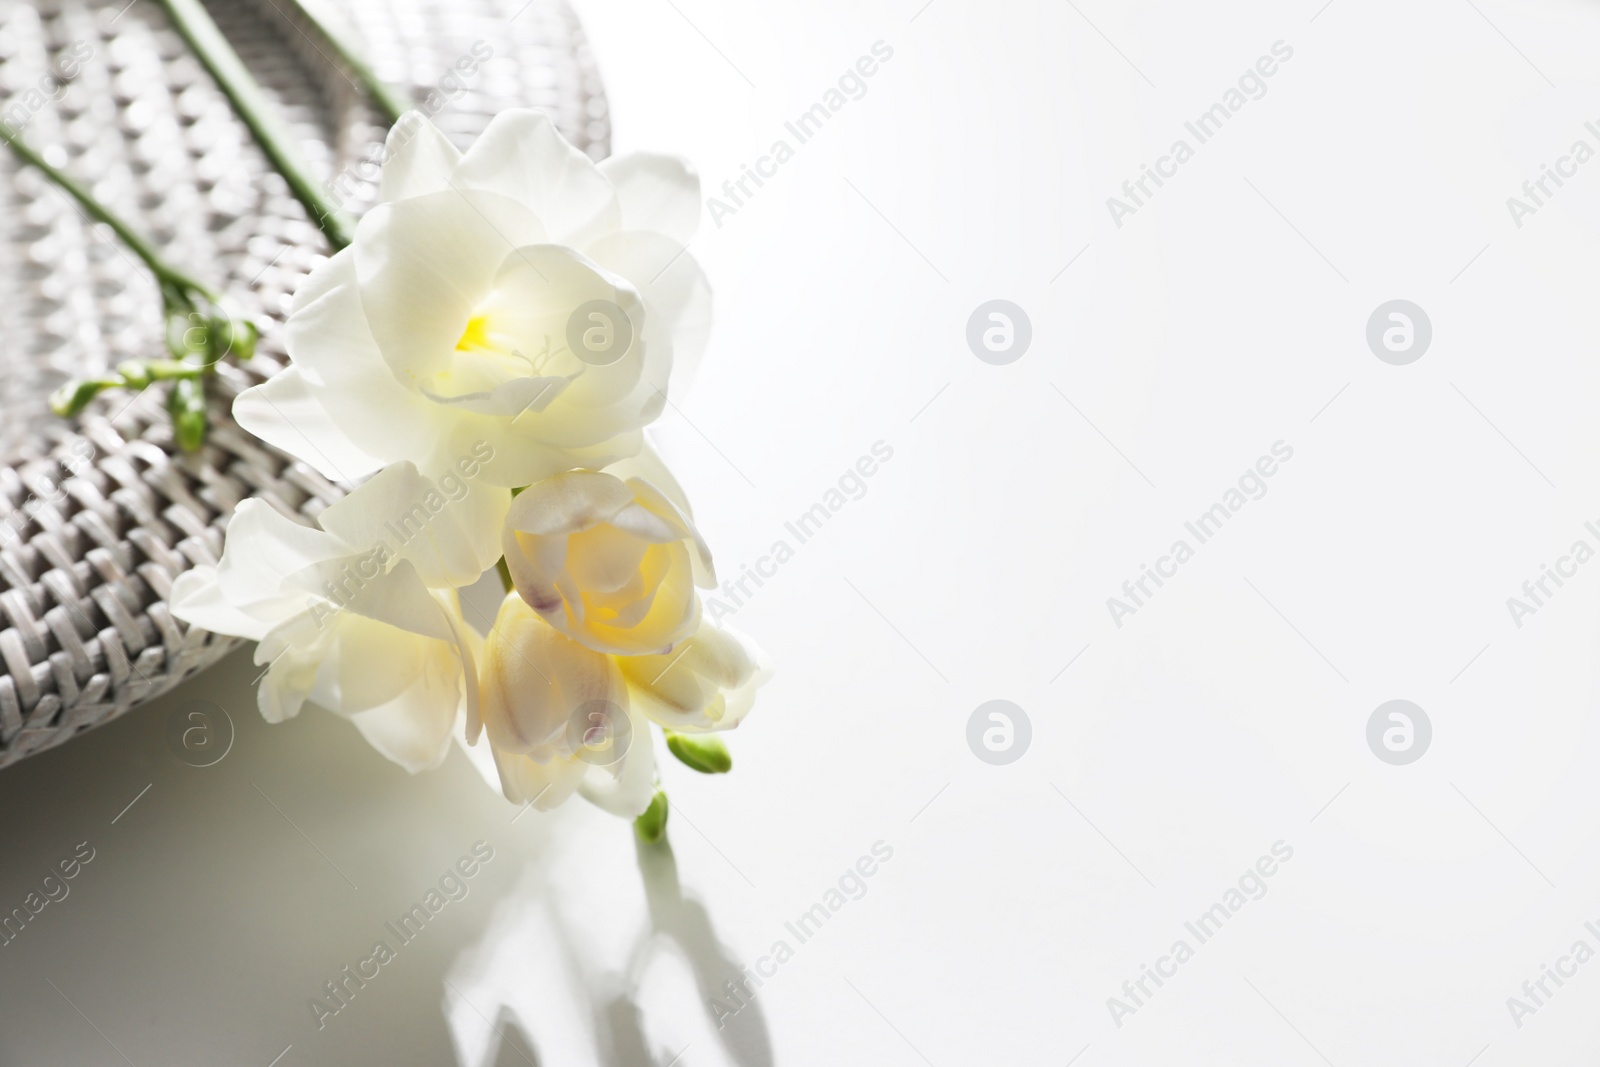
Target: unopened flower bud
[231,338]
[70,399]
[704,752]
[187,405]
[188,335]
[652,825]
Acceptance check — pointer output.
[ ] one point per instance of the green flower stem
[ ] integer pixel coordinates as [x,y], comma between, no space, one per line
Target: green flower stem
[173,281]
[197,28]
[390,100]
[167,370]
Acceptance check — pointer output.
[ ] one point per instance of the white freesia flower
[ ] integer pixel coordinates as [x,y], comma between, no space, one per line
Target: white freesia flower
[505,317]
[448,320]
[707,682]
[359,616]
[557,718]
[612,564]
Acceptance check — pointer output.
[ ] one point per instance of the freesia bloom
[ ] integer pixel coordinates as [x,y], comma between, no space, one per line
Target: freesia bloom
[612,564]
[557,718]
[359,616]
[517,293]
[508,316]
[708,682]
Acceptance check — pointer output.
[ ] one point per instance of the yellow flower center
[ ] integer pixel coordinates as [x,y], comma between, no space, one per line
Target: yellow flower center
[476,335]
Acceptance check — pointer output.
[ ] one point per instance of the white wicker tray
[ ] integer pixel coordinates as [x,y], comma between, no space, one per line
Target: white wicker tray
[98,517]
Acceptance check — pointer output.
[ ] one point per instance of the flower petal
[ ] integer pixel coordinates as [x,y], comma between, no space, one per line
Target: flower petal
[414,729]
[522,156]
[707,683]
[507,399]
[548,785]
[198,599]
[625,789]
[425,264]
[245,595]
[534,681]
[535,296]
[656,192]
[647,464]
[418,159]
[284,687]
[567,503]
[705,571]
[400,599]
[605,559]
[333,347]
[286,412]
[449,529]
[675,291]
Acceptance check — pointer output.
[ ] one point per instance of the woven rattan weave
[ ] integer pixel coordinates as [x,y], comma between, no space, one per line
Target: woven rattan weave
[97,518]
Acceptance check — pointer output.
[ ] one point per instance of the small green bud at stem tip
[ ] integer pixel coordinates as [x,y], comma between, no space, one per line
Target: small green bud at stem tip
[70,400]
[187,335]
[652,825]
[187,405]
[704,752]
[231,339]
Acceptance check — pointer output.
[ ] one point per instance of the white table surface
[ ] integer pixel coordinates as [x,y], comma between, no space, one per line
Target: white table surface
[1168,754]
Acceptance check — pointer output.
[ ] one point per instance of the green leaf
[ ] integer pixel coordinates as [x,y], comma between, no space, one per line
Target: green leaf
[652,825]
[704,752]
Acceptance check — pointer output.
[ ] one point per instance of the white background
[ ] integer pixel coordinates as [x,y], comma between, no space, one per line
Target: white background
[1228,714]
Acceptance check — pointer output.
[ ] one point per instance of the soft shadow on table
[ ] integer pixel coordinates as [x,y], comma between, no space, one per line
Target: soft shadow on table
[557,974]
[222,901]
[685,920]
